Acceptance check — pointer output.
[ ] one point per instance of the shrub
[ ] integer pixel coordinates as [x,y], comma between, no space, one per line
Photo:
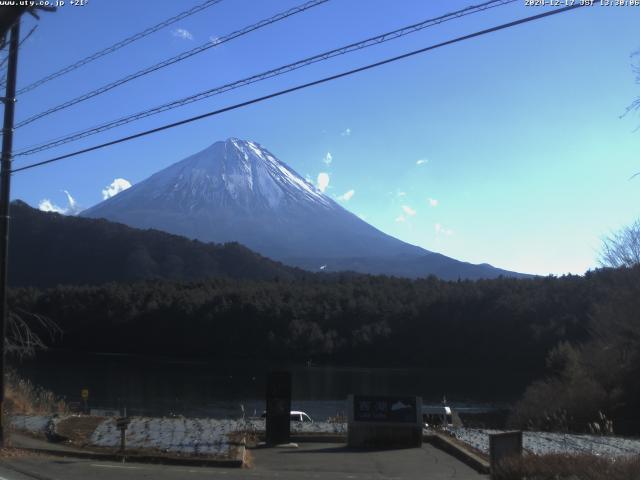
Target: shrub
[574,467]
[23,397]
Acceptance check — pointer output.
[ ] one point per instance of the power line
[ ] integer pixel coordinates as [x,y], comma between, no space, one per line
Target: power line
[263,76]
[26,37]
[170,61]
[4,60]
[119,45]
[302,86]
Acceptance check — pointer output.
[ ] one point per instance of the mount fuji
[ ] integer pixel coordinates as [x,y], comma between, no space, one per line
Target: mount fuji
[237,191]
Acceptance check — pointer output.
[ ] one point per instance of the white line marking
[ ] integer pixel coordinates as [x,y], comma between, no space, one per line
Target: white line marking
[114,466]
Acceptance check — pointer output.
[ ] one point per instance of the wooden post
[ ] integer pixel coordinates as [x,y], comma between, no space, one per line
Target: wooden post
[5,186]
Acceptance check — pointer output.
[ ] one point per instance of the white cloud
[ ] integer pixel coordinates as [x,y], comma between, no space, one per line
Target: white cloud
[182,33]
[433,202]
[408,210]
[422,161]
[440,230]
[328,158]
[214,40]
[402,194]
[72,208]
[118,185]
[401,218]
[46,205]
[73,205]
[346,132]
[323,181]
[346,196]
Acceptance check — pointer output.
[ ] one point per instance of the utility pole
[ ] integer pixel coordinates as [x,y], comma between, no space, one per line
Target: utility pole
[5,186]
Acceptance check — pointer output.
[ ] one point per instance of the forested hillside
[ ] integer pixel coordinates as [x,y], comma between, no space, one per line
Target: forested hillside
[48,249]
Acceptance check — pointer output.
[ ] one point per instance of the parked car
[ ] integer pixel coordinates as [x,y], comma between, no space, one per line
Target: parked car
[437,416]
[295,416]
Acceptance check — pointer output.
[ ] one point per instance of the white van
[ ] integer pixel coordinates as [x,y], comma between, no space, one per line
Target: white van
[298,416]
[295,416]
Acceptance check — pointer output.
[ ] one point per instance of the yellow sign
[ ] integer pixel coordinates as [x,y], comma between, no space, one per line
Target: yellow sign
[85,393]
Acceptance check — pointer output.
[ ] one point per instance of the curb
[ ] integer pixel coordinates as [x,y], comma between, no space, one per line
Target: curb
[471,459]
[315,438]
[237,462]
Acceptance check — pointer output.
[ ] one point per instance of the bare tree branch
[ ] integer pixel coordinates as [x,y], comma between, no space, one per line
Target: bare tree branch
[635,105]
[622,249]
[22,339]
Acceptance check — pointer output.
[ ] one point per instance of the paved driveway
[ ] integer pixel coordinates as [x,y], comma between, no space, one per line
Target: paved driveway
[312,460]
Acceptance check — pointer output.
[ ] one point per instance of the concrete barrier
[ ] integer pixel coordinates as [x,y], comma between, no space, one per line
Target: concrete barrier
[453,448]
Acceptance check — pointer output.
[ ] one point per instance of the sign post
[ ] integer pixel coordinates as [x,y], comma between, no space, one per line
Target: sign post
[278,426]
[122,423]
[384,421]
[84,393]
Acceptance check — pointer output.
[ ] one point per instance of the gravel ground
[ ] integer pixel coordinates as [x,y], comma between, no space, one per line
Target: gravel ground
[541,443]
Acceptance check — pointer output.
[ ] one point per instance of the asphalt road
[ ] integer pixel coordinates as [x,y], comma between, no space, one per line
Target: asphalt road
[312,460]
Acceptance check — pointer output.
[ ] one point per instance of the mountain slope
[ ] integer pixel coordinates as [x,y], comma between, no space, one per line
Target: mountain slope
[237,190]
[47,249]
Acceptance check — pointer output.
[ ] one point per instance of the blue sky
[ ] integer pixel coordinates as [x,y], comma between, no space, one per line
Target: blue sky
[507,149]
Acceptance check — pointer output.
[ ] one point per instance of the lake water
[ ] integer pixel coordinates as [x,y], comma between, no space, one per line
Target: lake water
[162,387]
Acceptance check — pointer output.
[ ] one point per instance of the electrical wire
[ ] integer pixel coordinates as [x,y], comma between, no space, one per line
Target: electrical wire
[26,37]
[262,76]
[170,61]
[303,86]
[119,45]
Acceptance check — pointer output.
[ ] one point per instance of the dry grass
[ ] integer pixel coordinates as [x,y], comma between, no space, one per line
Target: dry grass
[248,459]
[338,418]
[573,467]
[78,430]
[23,397]
[14,453]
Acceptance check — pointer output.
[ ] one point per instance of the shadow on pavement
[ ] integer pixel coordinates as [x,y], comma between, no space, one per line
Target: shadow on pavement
[341,449]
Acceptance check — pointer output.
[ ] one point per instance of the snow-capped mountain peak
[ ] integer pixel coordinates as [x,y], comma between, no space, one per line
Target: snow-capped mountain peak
[268,172]
[234,172]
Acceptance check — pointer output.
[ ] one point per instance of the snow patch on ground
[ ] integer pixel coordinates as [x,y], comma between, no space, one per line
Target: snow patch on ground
[193,436]
[541,443]
[187,436]
[257,425]
[31,423]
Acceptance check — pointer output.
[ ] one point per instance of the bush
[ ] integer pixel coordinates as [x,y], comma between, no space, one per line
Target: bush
[23,397]
[569,400]
[574,467]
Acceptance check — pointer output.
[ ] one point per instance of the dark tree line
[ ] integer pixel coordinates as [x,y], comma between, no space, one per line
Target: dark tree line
[503,323]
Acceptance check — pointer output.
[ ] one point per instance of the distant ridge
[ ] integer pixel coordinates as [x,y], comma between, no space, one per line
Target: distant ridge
[47,249]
